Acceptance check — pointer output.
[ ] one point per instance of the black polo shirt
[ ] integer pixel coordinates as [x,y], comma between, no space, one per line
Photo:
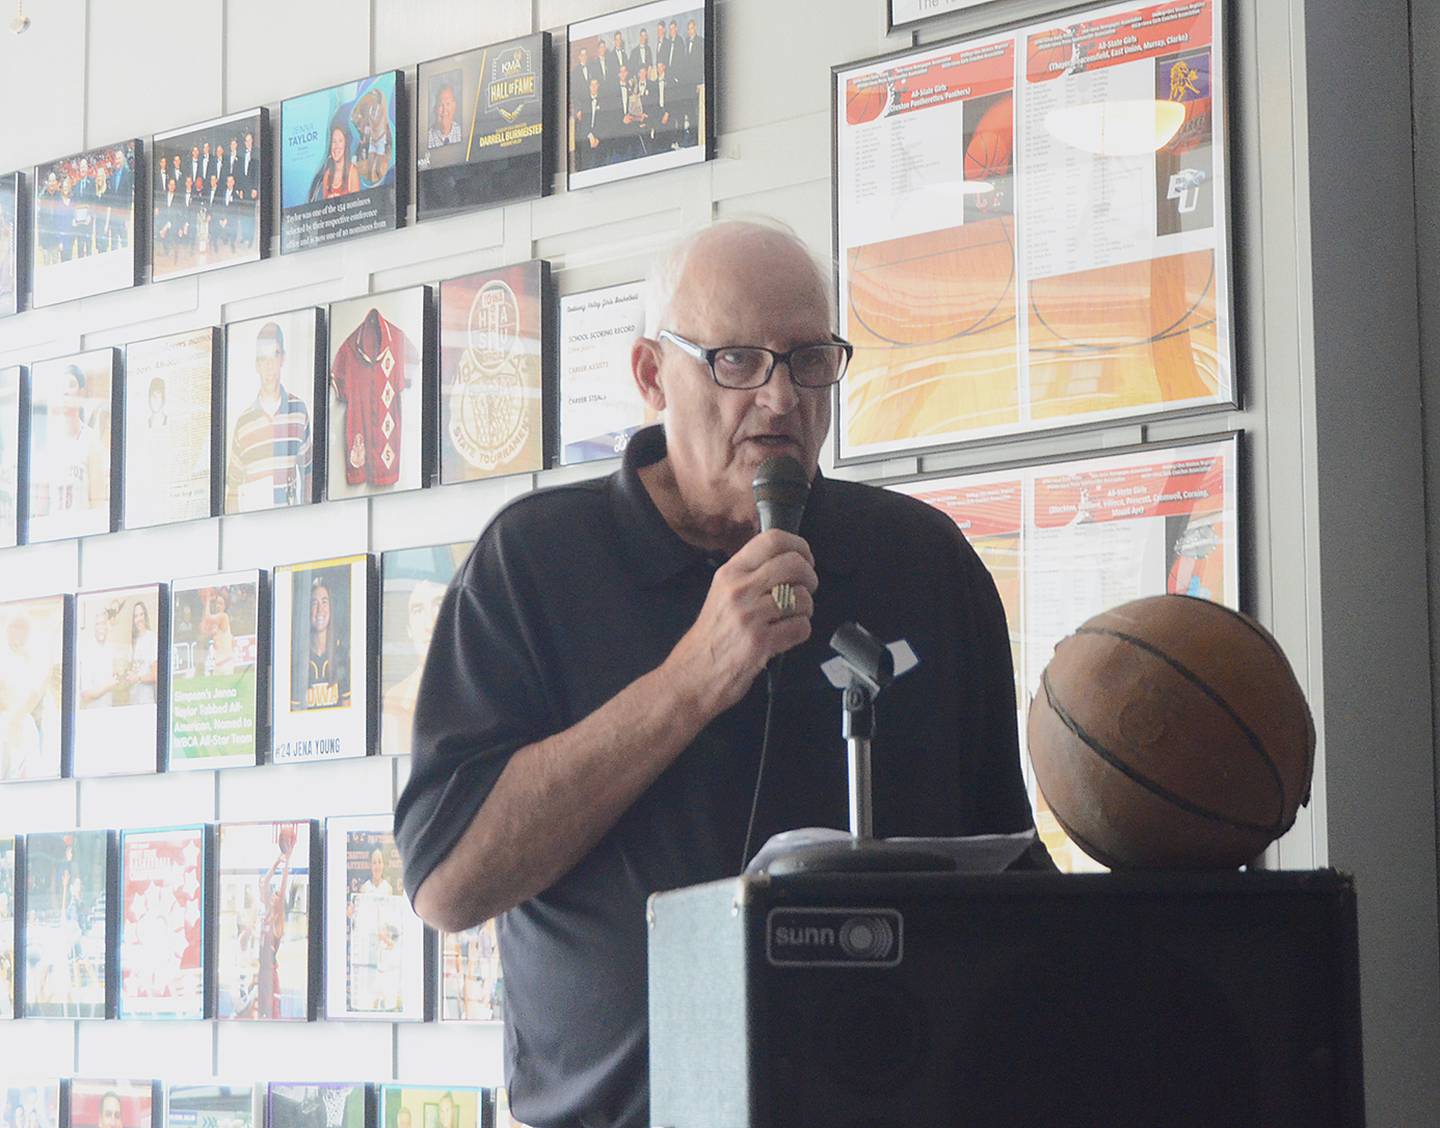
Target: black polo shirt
[575,591]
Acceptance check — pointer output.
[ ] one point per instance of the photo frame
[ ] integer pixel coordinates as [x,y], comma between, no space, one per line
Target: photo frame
[69,922]
[218,704]
[73,460]
[319,1104]
[619,125]
[86,1099]
[211,1105]
[599,405]
[470,975]
[497,372]
[381,394]
[166,939]
[210,195]
[36,1104]
[482,120]
[120,687]
[324,679]
[170,456]
[436,1106]
[36,674]
[274,413]
[268,888]
[908,13]
[344,161]
[86,235]
[12,884]
[14,243]
[14,413]
[975,317]
[379,958]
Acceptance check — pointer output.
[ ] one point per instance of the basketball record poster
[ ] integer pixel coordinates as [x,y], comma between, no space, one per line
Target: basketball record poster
[323,682]
[496,356]
[1066,540]
[600,407]
[164,877]
[1066,263]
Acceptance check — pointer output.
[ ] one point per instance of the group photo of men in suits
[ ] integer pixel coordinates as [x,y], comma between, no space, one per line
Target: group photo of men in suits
[206,198]
[637,91]
[84,205]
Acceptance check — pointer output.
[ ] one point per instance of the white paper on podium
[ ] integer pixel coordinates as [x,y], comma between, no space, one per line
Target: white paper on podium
[978,853]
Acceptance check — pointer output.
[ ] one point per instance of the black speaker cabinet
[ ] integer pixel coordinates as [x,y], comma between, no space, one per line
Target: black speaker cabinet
[1045,1000]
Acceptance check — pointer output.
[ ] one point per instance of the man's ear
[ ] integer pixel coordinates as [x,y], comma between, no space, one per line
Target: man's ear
[645,367]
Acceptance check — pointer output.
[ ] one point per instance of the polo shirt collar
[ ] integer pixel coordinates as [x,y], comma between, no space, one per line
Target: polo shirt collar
[657,553]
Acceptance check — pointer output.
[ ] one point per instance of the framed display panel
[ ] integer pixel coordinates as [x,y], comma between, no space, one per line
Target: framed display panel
[12,876]
[14,243]
[69,920]
[35,676]
[119,698]
[69,450]
[1067,263]
[268,895]
[480,125]
[219,680]
[436,1106]
[497,369]
[96,1103]
[413,582]
[13,413]
[33,1104]
[907,13]
[1067,539]
[342,151]
[210,195]
[274,413]
[600,406]
[171,457]
[377,957]
[381,393]
[212,1105]
[325,630]
[470,975]
[165,936]
[623,122]
[319,1104]
[85,232]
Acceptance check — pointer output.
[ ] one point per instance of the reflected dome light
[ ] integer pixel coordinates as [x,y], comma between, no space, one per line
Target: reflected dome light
[1122,128]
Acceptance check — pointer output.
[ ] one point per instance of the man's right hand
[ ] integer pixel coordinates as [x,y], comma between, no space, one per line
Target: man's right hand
[740,627]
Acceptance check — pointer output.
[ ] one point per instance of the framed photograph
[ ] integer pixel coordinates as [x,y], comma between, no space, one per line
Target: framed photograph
[274,410]
[636,104]
[219,680]
[112,1103]
[1066,539]
[35,1104]
[323,692]
[68,924]
[470,980]
[480,127]
[120,682]
[1063,267]
[164,922]
[84,237]
[35,673]
[172,400]
[497,369]
[14,243]
[436,1106]
[11,875]
[413,582]
[12,467]
[382,394]
[600,406]
[342,151]
[322,1104]
[209,195]
[211,1106]
[69,449]
[907,13]
[267,965]
[376,952]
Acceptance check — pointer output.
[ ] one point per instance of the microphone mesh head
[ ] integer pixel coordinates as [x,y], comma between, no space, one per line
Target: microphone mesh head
[781,480]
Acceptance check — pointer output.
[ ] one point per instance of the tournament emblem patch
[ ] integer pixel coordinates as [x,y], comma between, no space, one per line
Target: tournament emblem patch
[488,423]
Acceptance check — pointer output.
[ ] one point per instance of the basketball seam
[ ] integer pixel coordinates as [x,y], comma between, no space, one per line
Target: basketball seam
[1171,330]
[1186,805]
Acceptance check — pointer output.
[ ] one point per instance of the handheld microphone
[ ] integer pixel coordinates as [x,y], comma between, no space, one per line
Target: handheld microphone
[781,490]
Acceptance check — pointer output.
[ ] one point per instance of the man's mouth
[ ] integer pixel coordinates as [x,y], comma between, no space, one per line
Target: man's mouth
[772,440]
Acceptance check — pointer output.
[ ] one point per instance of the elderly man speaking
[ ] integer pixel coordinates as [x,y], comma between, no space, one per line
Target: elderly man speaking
[591,717]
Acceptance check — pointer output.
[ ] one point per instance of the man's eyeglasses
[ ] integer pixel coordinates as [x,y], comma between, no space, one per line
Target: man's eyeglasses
[746,367]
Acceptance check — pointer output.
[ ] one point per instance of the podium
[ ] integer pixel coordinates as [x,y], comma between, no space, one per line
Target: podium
[1135,1000]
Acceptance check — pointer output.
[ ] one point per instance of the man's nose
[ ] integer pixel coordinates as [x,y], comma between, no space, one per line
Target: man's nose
[780,394]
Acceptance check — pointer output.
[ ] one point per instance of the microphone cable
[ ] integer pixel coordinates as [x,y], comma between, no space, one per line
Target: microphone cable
[772,671]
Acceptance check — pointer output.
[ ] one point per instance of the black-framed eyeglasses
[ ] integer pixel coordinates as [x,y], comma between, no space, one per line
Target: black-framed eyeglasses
[746,367]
